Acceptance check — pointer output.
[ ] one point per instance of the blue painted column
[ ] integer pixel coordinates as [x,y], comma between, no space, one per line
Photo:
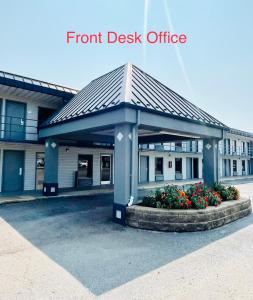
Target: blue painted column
[210,161]
[125,169]
[50,185]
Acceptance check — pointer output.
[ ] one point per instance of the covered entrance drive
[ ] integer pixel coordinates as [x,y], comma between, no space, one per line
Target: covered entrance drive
[125,108]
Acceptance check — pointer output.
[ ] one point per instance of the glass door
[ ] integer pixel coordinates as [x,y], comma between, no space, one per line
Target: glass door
[40,164]
[106,174]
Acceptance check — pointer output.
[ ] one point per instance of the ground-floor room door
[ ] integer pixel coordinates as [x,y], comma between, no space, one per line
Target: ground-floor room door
[178,168]
[226,167]
[188,167]
[106,169]
[195,167]
[13,171]
[192,167]
[144,168]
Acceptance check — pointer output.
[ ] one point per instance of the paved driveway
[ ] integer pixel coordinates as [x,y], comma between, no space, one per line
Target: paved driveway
[70,249]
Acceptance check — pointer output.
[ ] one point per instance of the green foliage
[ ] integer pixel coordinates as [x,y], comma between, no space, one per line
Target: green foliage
[198,196]
[227,193]
[234,193]
[214,198]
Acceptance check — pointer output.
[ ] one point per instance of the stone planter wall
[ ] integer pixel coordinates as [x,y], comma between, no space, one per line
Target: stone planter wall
[176,220]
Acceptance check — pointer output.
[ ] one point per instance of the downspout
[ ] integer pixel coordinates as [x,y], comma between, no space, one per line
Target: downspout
[134,132]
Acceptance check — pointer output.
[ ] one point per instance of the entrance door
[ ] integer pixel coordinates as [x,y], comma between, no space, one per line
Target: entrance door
[195,167]
[40,164]
[144,168]
[106,172]
[178,168]
[15,120]
[188,167]
[13,171]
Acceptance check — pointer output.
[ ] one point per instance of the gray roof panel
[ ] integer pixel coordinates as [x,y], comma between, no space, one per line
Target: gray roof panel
[128,84]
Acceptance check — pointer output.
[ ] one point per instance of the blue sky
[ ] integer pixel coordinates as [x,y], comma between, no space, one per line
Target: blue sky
[217,57]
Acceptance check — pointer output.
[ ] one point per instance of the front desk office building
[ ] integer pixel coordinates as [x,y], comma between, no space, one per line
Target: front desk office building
[124,128]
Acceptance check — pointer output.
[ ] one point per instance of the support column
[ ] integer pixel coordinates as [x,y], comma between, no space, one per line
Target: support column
[50,184]
[125,169]
[210,161]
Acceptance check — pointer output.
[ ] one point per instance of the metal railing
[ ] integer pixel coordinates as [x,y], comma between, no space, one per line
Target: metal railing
[236,151]
[189,148]
[185,148]
[18,129]
[29,80]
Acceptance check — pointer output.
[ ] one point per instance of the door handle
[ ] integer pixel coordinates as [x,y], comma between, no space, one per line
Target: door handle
[20,171]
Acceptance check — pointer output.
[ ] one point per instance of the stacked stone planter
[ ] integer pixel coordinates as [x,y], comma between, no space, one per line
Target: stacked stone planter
[176,220]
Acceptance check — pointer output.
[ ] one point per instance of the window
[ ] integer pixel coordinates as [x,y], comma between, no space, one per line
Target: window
[234,146]
[248,148]
[243,147]
[159,166]
[197,146]
[243,166]
[85,166]
[178,165]
[178,146]
[234,166]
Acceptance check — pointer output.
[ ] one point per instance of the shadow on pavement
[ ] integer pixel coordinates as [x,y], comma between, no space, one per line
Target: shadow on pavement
[79,235]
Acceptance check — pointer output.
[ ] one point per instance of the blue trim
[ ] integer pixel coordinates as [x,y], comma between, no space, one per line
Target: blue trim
[135,107]
[35,88]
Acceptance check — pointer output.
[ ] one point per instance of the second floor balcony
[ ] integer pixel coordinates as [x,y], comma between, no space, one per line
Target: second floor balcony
[186,147]
[18,129]
[236,151]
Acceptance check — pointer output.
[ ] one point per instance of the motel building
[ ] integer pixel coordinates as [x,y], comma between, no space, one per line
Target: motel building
[124,129]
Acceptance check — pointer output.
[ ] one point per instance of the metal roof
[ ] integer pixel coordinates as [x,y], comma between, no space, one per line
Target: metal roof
[130,85]
[35,85]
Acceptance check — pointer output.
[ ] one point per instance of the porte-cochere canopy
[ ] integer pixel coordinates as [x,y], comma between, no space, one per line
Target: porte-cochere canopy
[128,85]
[127,107]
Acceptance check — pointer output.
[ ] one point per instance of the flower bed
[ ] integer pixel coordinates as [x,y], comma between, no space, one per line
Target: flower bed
[180,220]
[197,196]
[197,208]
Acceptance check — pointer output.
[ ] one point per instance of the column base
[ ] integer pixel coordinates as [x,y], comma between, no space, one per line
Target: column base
[119,213]
[50,189]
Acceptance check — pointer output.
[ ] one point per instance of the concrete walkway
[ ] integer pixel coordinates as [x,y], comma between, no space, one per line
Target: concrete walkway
[143,189]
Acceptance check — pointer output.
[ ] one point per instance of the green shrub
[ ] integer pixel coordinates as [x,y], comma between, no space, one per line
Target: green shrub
[234,192]
[149,201]
[214,198]
[227,193]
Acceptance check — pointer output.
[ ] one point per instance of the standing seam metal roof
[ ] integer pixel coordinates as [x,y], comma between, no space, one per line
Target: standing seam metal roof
[129,84]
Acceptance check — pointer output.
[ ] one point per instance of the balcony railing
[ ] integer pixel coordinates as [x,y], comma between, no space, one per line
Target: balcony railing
[18,129]
[185,148]
[238,151]
[188,148]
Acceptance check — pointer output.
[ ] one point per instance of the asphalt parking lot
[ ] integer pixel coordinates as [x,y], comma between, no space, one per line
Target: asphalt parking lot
[70,249]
